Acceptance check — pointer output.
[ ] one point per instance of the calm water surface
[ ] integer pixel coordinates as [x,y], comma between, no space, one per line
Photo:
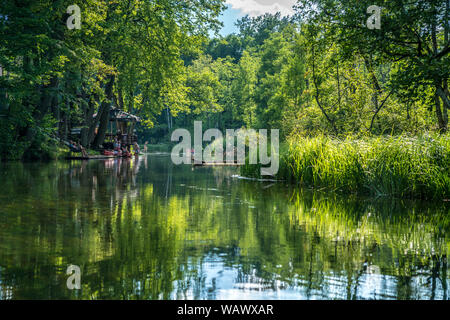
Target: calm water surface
[146,229]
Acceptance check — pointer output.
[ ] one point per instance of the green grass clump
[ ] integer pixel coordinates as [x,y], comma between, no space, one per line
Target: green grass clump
[400,166]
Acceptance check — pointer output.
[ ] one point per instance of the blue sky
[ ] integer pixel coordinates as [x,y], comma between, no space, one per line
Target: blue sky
[239,8]
[228,18]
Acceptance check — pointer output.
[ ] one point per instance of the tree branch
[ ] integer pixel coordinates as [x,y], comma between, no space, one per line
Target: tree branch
[317,94]
[378,110]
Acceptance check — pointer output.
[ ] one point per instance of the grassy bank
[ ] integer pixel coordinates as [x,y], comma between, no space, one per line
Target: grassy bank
[415,167]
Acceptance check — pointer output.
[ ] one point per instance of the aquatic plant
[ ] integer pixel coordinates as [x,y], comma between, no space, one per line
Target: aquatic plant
[396,166]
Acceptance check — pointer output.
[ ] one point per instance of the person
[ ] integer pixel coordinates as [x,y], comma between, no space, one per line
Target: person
[145,146]
[136,148]
[72,146]
[117,148]
[83,151]
[75,147]
[124,151]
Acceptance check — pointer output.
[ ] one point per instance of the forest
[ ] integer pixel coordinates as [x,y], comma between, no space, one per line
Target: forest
[357,108]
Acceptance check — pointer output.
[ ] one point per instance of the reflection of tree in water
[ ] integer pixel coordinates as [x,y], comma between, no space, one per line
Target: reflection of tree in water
[170,232]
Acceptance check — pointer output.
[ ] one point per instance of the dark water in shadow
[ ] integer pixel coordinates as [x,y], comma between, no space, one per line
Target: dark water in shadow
[150,230]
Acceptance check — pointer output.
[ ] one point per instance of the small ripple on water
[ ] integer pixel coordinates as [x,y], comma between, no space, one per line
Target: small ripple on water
[236,176]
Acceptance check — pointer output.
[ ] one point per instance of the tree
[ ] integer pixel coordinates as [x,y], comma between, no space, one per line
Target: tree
[126,53]
[414,33]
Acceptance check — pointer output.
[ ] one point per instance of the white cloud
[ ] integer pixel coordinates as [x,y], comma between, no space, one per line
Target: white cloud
[258,7]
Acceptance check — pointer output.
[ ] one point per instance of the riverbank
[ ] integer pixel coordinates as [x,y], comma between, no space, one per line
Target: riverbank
[405,167]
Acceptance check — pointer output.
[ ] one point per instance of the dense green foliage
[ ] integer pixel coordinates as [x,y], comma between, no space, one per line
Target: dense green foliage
[126,54]
[324,71]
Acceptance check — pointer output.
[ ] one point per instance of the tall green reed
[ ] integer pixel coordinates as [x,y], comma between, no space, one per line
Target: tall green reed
[400,166]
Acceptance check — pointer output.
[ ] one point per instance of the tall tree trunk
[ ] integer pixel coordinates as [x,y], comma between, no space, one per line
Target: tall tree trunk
[439,89]
[447,94]
[120,98]
[441,92]
[168,119]
[103,112]
[87,132]
[64,122]
[56,110]
[446,91]
[39,112]
[317,94]
[440,118]
[376,85]
[445,117]
[338,84]
[4,108]
[93,122]
[446,22]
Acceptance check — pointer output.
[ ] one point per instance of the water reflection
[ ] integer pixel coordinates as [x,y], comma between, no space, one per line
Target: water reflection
[145,229]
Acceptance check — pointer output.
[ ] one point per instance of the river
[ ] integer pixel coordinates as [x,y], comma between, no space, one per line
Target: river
[147,229]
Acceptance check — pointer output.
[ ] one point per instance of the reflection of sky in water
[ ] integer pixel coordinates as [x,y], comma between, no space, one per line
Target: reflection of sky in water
[220,283]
